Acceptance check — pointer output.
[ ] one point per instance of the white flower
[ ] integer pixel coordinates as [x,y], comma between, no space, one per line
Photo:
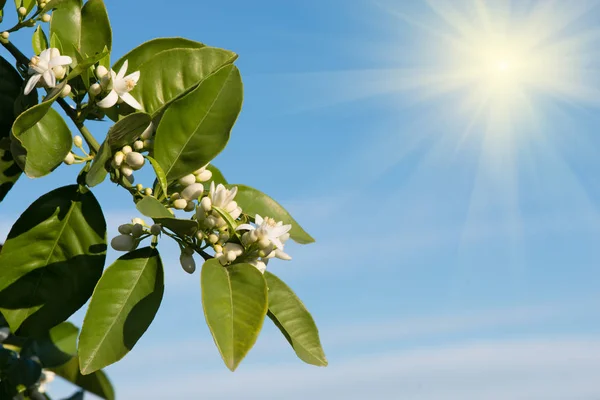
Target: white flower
[222,197]
[121,86]
[45,66]
[267,228]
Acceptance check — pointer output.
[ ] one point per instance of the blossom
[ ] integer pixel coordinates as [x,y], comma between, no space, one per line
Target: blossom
[120,86]
[47,65]
[268,229]
[222,197]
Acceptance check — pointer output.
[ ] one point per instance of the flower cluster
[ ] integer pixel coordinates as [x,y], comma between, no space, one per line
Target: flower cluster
[46,69]
[126,160]
[191,189]
[116,86]
[132,234]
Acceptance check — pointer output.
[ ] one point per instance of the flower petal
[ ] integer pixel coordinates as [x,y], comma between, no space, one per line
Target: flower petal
[31,83]
[282,255]
[276,242]
[45,55]
[123,70]
[49,78]
[280,230]
[109,100]
[134,76]
[258,219]
[129,99]
[247,227]
[61,60]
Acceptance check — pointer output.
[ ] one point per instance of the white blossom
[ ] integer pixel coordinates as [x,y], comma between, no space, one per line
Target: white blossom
[268,229]
[120,85]
[45,66]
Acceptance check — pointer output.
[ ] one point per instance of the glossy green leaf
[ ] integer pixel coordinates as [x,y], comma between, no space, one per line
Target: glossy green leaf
[52,259]
[172,73]
[85,64]
[98,170]
[55,41]
[96,383]
[95,29]
[57,346]
[234,300]
[151,207]
[39,149]
[195,128]
[147,50]
[66,25]
[254,202]
[160,174]
[122,307]
[294,321]
[39,42]
[54,4]
[228,219]
[217,176]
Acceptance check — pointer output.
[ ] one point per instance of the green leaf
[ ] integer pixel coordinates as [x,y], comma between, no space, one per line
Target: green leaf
[150,49]
[54,4]
[255,202]
[234,300]
[95,29]
[160,174]
[29,4]
[57,346]
[195,128]
[40,148]
[85,64]
[96,383]
[217,176]
[55,41]
[294,321]
[39,41]
[227,217]
[98,170]
[172,73]
[151,207]
[123,305]
[66,25]
[51,260]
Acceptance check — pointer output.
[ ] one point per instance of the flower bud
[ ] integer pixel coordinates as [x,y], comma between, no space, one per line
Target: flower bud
[188,250]
[118,158]
[175,196]
[46,17]
[247,238]
[95,89]
[5,35]
[59,71]
[148,143]
[218,248]
[193,191]
[231,257]
[199,235]
[264,242]
[66,91]
[206,204]
[122,243]
[126,150]
[191,206]
[147,134]
[212,238]
[224,237]
[138,145]
[138,221]
[260,265]
[77,141]
[69,159]
[137,230]
[203,176]
[22,11]
[155,229]
[210,221]
[139,187]
[125,229]
[148,191]
[180,204]
[135,160]
[187,263]
[126,171]
[187,180]
[101,71]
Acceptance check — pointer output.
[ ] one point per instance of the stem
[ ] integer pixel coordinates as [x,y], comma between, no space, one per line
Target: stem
[71,113]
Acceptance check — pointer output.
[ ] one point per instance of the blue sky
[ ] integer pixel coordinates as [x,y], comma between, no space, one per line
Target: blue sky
[457,249]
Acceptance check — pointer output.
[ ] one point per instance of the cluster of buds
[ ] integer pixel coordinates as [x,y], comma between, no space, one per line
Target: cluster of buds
[192,189]
[132,234]
[71,157]
[127,160]
[223,198]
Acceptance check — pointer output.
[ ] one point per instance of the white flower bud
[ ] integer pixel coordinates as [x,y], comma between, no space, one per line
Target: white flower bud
[66,91]
[264,242]
[155,229]
[222,258]
[59,72]
[180,204]
[248,238]
[175,196]
[212,238]
[138,145]
[137,230]
[135,160]
[261,266]
[210,221]
[139,187]
[118,158]
[147,134]
[224,237]
[252,236]
[69,159]
[126,150]
[199,235]
[218,248]
[22,11]
[5,35]
[77,141]
[187,180]
[193,191]
[125,229]
[234,248]
[122,243]
[95,89]
[46,17]
[203,176]
[148,191]
[187,263]
[138,221]
[191,206]
[101,71]
[126,171]
[231,257]
[206,204]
